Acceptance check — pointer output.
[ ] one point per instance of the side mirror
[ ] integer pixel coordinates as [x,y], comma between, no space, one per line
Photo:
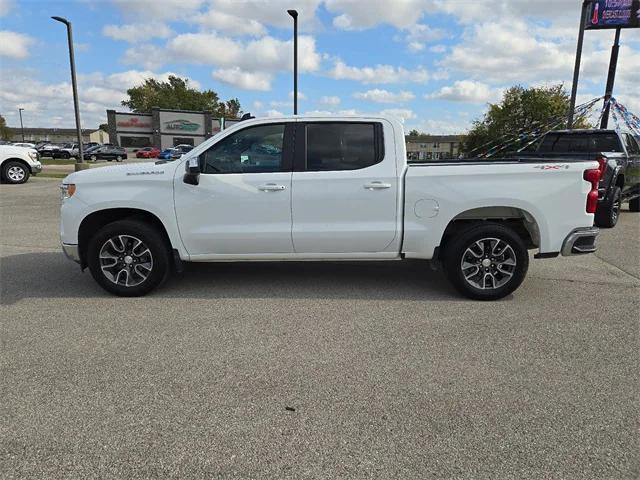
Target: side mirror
[192,175]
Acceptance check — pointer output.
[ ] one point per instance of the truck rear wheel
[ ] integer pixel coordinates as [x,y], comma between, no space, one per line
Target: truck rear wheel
[608,211]
[128,258]
[486,262]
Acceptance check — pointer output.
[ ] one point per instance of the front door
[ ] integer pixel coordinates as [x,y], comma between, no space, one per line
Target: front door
[345,188]
[242,204]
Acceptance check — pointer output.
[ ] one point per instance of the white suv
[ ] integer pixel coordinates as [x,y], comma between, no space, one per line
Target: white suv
[18,163]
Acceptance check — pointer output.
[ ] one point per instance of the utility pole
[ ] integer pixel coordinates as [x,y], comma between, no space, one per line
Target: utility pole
[80,165]
[576,69]
[294,15]
[611,78]
[20,110]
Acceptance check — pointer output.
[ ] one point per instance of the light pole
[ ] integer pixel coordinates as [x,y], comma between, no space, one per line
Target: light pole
[21,125]
[576,69]
[79,164]
[294,15]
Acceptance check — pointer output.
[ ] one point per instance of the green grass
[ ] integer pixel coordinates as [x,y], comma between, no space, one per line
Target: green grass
[51,161]
[51,175]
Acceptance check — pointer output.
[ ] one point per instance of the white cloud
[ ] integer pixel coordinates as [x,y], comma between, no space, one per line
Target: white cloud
[133,32]
[419,35]
[144,55]
[274,113]
[301,95]
[440,127]
[354,15]
[466,91]
[230,24]
[5,6]
[331,100]
[15,45]
[263,12]
[384,96]
[378,74]
[236,77]
[403,114]
[158,9]
[438,48]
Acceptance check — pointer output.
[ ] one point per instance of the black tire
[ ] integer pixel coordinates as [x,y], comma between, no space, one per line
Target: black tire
[93,158]
[504,282]
[158,267]
[15,172]
[66,155]
[608,211]
[118,158]
[634,205]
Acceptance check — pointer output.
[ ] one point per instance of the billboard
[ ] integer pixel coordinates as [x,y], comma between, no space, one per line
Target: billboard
[613,14]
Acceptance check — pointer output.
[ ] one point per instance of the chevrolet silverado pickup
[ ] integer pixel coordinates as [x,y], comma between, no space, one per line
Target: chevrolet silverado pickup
[618,154]
[326,189]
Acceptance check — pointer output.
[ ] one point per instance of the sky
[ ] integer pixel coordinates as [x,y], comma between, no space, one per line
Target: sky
[435,64]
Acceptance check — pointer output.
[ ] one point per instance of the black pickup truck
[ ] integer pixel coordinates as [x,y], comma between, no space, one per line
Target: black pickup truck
[619,158]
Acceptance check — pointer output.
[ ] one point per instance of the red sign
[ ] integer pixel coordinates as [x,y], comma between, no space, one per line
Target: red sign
[133,123]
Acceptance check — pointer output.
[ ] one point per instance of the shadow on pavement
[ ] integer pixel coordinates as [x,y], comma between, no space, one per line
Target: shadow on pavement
[50,275]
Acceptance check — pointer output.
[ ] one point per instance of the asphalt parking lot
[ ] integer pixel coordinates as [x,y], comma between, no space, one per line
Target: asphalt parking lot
[304,370]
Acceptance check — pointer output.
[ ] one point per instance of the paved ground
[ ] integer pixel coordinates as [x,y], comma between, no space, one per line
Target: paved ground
[391,374]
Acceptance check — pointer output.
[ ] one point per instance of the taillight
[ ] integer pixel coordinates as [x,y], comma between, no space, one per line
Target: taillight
[592,176]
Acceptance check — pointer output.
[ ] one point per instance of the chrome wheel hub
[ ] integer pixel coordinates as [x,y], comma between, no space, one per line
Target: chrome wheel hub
[126,260]
[488,263]
[15,173]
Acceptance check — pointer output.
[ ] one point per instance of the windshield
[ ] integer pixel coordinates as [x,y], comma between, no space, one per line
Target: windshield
[580,143]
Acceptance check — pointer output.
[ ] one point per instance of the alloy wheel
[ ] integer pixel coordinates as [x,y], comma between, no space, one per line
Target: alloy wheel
[126,260]
[488,263]
[16,173]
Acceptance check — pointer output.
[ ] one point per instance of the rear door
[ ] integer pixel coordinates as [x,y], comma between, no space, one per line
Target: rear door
[344,188]
[632,173]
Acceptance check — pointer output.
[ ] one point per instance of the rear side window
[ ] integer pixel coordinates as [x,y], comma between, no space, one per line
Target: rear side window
[343,146]
[580,143]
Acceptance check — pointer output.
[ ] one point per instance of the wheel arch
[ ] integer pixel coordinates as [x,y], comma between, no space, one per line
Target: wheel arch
[98,219]
[518,219]
[16,159]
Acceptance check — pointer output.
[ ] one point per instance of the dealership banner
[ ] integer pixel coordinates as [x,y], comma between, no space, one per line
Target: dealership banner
[614,14]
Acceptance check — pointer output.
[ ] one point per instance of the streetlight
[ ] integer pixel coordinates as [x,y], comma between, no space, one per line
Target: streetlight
[21,125]
[79,164]
[294,15]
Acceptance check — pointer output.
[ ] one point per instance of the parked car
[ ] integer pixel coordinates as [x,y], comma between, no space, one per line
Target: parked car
[148,152]
[24,145]
[170,154]
[341,191]
[108,153]
[66,150]
[618,154]
[184,148]
[48,149]
[18,163]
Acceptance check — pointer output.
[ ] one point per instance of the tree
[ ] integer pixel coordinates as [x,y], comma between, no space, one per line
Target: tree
[414,133]
[5,132]
[176,93]
[104,127]
[522,110]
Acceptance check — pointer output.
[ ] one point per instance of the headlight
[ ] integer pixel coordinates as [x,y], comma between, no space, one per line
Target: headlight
[33,154]
[67,190]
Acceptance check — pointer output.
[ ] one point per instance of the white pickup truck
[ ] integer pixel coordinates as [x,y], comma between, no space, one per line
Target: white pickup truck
[18,163]
[339,188]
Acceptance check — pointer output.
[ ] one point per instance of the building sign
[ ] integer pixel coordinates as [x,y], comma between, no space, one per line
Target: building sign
[181,124]
[135,123]
[614,14]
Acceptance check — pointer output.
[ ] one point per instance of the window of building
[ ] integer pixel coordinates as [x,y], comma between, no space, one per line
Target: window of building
[252,150]
[135,142]
[343,146]
[182,141]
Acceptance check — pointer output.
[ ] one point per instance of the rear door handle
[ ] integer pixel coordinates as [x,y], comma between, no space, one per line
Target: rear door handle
[377,186]
[271,187]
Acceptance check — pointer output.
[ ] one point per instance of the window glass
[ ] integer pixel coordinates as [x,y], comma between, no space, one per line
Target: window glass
[581,143]
[340,146]
[632,146]
[252,150]
[135,142]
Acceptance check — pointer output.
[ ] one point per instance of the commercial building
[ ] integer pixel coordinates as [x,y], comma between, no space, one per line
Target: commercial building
[57,135]
[424,148]
[163,128]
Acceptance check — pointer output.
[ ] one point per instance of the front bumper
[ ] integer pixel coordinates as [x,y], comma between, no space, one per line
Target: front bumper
[71,252]
[36,167]
[580,241]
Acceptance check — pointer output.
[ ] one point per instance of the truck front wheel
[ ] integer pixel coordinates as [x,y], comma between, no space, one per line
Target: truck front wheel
[128,258]
[486,262]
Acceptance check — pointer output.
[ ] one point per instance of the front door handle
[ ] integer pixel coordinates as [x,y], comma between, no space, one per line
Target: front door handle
[377,186]
[271,187]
